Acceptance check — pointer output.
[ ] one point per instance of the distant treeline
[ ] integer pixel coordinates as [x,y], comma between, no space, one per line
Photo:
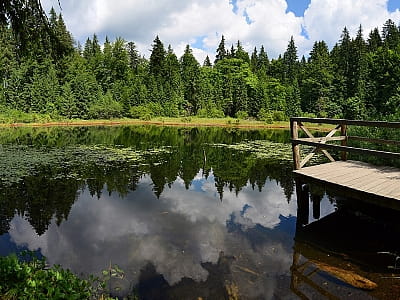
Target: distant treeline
[48,74]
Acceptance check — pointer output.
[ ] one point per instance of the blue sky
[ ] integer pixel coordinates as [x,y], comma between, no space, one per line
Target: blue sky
[298,6]
[200,23]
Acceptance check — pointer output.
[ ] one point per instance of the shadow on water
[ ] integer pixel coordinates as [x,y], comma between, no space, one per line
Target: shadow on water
[199,213]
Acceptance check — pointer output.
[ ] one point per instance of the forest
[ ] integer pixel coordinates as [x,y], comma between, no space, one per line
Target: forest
[44,71]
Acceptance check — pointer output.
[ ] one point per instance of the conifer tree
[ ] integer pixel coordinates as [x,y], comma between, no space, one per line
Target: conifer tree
[254,60]
[374,40]
[290,61]
[241,53]
[157,59]
[190,71]
[221,52]
[133,54]
[207,62]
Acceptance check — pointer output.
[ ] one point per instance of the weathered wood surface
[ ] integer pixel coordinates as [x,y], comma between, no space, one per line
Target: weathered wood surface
[347,122]
[357,179]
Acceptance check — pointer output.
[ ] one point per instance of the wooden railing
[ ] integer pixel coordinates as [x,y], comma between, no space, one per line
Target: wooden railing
[320,144]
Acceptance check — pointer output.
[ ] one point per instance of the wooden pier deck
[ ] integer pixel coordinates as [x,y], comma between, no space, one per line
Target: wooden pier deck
[379,185]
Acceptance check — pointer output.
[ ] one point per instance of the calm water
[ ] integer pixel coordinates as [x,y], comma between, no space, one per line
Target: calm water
[201,213]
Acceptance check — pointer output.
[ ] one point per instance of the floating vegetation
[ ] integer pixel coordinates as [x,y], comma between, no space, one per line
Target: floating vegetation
[264,149]
[20,161]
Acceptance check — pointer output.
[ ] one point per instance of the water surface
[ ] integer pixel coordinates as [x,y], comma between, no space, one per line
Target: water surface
[187,213]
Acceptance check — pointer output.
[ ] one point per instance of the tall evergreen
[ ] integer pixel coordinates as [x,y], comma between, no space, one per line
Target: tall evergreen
[254,60]
[241,53]
[157,58]
[134,56]
[221,52]
[391,34]
[207,62]
[374,40]
[190,71]
[291,64]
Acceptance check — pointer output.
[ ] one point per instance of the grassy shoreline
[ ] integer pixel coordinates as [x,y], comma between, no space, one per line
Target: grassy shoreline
[164,121]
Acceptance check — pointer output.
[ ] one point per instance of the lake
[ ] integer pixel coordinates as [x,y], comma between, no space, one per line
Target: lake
[187,213]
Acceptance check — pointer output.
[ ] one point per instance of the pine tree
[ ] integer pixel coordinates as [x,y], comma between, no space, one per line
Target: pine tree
[157,59]
[221,52]
[173,85]
[262,62]
[374,40]
[391,34]
[134,57]
[190,71]
[241,53]
[207,62]
[316,89]
[254,60]
[290,61]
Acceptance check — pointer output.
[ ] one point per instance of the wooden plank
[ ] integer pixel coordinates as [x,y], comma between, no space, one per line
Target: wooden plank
[343,133]
[347,122]
[350,149]
[323,139]
[294,132]
[383,185]
[338,166]
[364,181]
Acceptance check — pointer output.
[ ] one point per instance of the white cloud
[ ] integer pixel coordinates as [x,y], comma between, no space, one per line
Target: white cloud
[186,21]
[325,20]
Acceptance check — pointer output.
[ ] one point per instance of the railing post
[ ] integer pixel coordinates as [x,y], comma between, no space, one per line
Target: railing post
[294,133]
[343,132]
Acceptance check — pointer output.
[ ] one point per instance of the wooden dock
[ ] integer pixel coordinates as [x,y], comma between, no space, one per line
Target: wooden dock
[379,185]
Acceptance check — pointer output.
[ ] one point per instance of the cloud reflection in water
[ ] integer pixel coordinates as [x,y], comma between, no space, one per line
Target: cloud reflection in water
[175,233]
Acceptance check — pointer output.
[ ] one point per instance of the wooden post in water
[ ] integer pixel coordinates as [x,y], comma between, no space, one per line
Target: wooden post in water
[294,133]
[316,200]
[302,203]
[343,132]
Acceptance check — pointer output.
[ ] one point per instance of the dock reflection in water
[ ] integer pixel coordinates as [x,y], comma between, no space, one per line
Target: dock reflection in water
[353,253]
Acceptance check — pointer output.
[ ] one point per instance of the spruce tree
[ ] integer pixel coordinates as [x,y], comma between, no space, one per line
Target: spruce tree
[241,53]
[134,57]
[254,60]
[374,40]
[190,71]
[157,59]
[391,34]
[290,61]
[207,62]
[221,52]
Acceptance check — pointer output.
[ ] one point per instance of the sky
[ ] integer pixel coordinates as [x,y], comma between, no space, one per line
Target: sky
[200,23]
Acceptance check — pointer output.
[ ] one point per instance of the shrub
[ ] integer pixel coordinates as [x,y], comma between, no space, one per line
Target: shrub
[210,113]
[141,112]
[105,108]
[278,115]
[242,115]
[202,113]
[265,115]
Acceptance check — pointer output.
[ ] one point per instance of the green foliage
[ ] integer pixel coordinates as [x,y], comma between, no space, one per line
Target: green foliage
[41,74]
[147,111]
[242,115]
[265,115]
[210,113]
[33,280]
[278,115]
[105,108]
